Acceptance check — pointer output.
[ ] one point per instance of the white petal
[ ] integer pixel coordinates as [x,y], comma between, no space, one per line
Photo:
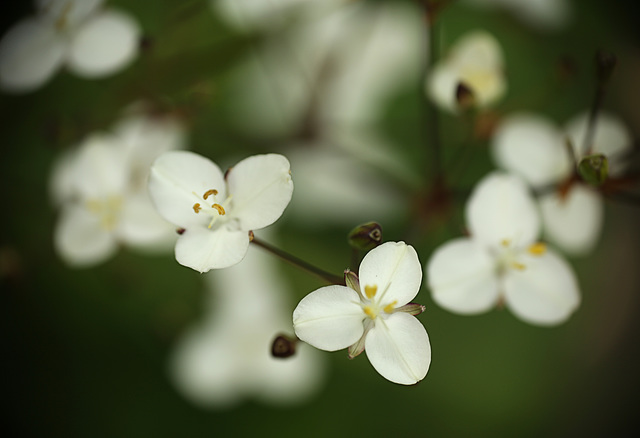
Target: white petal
[545,292]
[141,225]
[398,348]
[395,269]
[261,187]
[103,45]
[61,181]
[67,14]
[202,249]
[329,318]
[441,86]
[80,239]
[177,181]
[500,208]
[532,147]
[30,53]
[100,168]
[574,222]
[611,138]
[462,277]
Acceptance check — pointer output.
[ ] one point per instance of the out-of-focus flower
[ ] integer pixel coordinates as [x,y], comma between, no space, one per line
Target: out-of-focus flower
[323,82]
[534,148]
[226,357]
[475,63]
[98,189]
[377,319]
[502,261]
[89,40]
[217,211]
[542,14]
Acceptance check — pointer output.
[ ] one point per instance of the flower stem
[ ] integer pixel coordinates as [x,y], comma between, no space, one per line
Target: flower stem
[605,63]
[432,125]
[295,261]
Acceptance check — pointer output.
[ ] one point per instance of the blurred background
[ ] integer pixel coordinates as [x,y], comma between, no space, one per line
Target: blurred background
[91,351]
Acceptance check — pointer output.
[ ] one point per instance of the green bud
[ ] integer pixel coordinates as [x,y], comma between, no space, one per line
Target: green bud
[594,169]
[366,236]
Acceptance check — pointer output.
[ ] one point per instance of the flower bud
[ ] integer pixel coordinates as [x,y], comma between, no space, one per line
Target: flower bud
[351,280]
[283,346]
[594,169]
[366,236]
[464,96]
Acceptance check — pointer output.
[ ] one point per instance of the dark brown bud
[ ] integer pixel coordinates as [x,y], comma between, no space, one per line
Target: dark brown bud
[180,231]
[284,346]
[366,236]
[464,96]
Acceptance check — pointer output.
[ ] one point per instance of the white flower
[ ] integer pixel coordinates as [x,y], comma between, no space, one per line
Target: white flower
[92,42]
[475,61]
[502,261]
[534,148]
[226,357]
[376,319]
[217,211]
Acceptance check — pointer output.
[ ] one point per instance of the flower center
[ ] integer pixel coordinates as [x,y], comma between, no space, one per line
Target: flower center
[374,307]
[213,209]
[107,209]
[508,259]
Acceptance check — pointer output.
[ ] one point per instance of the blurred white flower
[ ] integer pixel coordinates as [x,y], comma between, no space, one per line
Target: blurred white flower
[323,83]
[216,211]
[98,189]
[377,319]
[502,261]
[476,62]
[542,14]
[534,148]
[226,357]
[89,40]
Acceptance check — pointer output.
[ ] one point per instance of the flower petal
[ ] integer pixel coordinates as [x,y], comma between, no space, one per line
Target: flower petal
[533,148]
[141,225]
[329,318]
[30,53]
[501,209]
[545,292]
[99,168]
[261,187]
[80,239]
[395,269]
[611,138]
[462,277]
[573,222]
[103,45]
[177,180]
[67,14]
[202,249]
[398,348]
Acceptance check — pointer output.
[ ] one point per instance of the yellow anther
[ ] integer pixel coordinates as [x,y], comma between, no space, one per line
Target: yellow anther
[370,312]
[518,266]
[506,242]
[389,307]
[538,248]
[208,193]
[219,208]
[196,207]
[370,291]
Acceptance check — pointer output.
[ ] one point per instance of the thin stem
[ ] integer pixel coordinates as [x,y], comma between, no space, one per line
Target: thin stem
[432,125]
[295,261]
[605,63]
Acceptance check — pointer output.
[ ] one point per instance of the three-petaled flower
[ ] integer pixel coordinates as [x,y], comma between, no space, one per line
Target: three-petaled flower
[502,261]
[215,211]
[377,318]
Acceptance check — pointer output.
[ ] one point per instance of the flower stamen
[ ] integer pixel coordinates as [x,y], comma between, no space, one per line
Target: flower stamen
[537,249]
[197,207]
[208,193]
[389,307]
[370,312]
[370,291]
[219,208]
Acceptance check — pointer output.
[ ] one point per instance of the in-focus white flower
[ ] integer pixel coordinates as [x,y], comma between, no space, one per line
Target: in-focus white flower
[226,358]
[216,211]
[89,40]
[475,61]
[376,318]
[542,14]
[535,148]
[502,261]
